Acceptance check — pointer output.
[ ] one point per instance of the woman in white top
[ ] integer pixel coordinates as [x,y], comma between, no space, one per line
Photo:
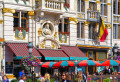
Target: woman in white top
[22,78]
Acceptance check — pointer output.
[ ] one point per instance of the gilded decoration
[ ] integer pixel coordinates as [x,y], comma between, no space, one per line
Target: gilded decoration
[53,45]
[108,3]
[1,21]
[97,1]
[31,13]
[42,45]
[39,32]
[80,15]
[8,10]
[55,35]
[86,23]
[20,36]
[73,19]
[108,25]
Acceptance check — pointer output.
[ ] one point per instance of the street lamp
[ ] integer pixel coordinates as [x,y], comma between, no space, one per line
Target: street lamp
[30,48]
[115,48]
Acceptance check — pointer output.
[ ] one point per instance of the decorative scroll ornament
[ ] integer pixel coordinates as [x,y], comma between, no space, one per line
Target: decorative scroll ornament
[31,13]
[73,19]
[53,45]
[42,45]
[8,10]
[55,35]
[39,32]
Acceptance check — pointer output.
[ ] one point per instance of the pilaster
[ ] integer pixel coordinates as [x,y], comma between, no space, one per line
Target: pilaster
[73,33]
[86,29]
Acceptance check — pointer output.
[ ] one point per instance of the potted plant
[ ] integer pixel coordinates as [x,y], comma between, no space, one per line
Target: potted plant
[66,6]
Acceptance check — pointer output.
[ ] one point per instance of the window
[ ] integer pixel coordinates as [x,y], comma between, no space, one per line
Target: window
[66,26]
[92,31]
[92,6]
[23,20]
[81,6]
[103,7]
[116,31]
[116,7]
[80,30]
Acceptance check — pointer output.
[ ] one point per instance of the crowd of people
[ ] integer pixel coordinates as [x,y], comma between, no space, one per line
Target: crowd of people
[64,77]
[61,77]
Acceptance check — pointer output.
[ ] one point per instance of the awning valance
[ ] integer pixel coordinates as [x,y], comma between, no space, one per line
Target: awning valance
[50,54]
[74,53]
[21,50]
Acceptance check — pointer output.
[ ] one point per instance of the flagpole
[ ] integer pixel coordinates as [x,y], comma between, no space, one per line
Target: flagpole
[111,26]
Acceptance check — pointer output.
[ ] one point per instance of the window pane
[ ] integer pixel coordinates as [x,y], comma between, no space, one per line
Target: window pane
[93,6]
[66,27]
[119,7]
[82,30]
[105,10]
[78,6]
[114,31]
[101,55]
[90,34]
[114,6]
[60,27]
[78,30]
[16,19]
[82,5]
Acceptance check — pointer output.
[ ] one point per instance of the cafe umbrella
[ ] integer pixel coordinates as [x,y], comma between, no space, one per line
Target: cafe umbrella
[88,63]
[47,64]
[64,64]
[111,63]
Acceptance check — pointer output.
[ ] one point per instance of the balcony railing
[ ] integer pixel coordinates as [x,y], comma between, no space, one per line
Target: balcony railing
[49,4]
[116,18]
[93,15]
[64,37]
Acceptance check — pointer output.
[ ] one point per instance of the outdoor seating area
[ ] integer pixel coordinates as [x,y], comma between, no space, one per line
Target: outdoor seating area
[105,75]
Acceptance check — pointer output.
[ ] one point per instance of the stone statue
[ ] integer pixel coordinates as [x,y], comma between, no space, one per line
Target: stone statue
[46,30]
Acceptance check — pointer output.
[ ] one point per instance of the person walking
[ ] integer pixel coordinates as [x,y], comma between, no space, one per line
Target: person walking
[80,76]
[22,78]
[21,73]
[5,79]
[64,78]
[47,77]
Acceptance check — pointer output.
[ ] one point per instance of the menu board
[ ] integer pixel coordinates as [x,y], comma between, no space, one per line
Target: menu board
[9,67]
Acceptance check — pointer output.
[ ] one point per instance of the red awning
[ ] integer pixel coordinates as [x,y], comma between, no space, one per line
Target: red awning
[21,50]
[50,54]
[74,53]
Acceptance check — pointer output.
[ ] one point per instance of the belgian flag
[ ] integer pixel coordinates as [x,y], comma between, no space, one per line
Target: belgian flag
[102,31]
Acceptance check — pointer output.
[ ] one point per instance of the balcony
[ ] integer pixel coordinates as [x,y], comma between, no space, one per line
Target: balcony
[64,37]
[54,5]
[93,16]
[116,18]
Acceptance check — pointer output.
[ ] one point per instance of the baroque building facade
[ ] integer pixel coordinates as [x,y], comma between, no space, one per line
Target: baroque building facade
[50,24]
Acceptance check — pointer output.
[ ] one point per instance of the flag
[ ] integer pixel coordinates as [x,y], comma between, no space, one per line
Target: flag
[102,31]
